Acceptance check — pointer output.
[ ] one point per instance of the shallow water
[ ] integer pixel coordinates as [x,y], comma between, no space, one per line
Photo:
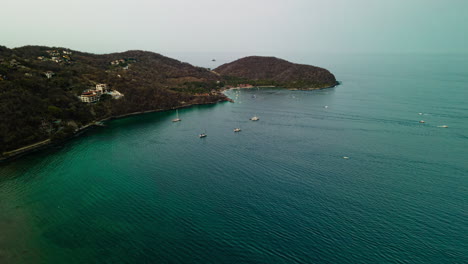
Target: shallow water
[146,189]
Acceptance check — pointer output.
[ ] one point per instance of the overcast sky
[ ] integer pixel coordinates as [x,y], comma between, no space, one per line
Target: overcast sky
[270,26]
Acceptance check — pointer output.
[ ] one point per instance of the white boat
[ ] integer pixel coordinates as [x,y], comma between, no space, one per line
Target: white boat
[422,121]
[444,126]
[255,118]
[237,130]
[202,135]
[177,119]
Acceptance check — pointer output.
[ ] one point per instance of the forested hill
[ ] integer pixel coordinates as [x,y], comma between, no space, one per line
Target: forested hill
[258,70]
[34,106]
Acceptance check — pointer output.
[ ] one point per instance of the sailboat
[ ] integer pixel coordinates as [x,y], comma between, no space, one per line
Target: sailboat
[177,119]
[255,117]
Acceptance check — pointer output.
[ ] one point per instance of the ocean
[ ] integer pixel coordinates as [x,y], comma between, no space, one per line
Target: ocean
[146,190]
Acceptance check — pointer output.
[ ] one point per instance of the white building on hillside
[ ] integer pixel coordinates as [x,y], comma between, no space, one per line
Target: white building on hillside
[101,88]
[89,97]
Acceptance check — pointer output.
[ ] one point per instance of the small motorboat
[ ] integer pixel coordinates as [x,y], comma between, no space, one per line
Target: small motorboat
[237,130]
[422,121]
[444,126]
[202,135]
[255,118]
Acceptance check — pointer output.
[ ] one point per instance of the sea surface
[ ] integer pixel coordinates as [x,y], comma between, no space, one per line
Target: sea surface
[146,190]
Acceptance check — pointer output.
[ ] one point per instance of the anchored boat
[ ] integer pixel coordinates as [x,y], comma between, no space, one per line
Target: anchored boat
[177,119]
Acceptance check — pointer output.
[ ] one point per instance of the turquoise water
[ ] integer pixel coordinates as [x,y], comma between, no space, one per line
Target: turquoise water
[146,190]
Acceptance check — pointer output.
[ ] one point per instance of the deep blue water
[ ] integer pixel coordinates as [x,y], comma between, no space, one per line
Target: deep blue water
[146,190]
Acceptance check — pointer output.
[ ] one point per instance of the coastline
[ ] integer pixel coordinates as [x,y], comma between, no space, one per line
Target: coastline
[16,153]
[314,88]
[274,86]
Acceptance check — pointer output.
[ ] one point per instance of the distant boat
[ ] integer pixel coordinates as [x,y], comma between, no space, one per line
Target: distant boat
[422,121]
[345,157]
[202,135]
[213,60]
[255,118]
[325,106]
[177,119]
[444,126]
[420,113]
[237,130]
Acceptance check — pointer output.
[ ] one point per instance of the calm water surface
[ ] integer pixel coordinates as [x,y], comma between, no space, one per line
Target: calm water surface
[146,190]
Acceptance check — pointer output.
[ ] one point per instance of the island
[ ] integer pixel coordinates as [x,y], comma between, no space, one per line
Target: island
[271,71]
[49,94]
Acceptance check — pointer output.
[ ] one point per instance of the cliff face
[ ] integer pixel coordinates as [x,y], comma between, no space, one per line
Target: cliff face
[271,70]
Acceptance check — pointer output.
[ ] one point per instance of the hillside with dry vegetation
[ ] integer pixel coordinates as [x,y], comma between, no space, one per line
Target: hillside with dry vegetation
[43,89]
[40,89]
[258,70]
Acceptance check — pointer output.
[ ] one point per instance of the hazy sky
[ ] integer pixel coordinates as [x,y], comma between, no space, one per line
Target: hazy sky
[103,26]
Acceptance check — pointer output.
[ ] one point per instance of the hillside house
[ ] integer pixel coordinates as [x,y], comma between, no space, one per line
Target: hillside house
[94,94]
[101,88]
[89,96]
[53,52]
[117,62]
[56,59]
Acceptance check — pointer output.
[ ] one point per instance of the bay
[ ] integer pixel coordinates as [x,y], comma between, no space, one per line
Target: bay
[144,189]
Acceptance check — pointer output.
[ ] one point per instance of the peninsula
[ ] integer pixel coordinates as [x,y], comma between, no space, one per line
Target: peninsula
[48,94]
